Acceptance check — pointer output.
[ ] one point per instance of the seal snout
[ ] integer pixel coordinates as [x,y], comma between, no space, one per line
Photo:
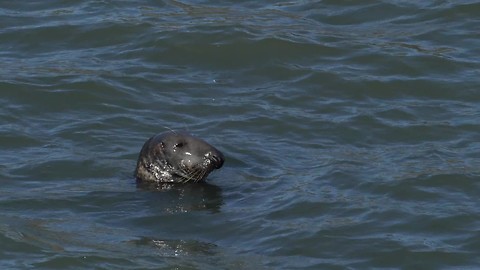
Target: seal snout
[216,157]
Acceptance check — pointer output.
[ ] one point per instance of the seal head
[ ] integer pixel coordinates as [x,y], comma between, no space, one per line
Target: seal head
[177,157]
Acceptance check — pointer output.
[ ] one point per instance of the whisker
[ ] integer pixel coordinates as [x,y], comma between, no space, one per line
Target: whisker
[170,129]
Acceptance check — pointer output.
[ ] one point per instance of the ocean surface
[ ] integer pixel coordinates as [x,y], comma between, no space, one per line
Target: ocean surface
[351,131]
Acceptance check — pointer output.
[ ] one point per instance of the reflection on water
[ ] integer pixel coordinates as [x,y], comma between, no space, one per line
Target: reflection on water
[174,248]
[185,197]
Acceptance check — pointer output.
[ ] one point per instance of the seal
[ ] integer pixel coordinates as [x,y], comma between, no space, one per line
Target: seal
[177,157]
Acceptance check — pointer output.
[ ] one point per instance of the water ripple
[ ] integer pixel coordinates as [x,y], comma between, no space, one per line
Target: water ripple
[350,131]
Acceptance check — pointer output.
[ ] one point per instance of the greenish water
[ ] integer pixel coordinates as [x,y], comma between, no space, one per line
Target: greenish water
[350,130]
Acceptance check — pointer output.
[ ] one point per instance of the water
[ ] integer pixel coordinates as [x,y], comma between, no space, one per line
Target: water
[350,130]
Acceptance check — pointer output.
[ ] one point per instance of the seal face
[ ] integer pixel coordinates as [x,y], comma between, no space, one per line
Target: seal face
[177,157]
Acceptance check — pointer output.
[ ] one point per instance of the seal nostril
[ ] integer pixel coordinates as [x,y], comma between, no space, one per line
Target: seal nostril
[218,161]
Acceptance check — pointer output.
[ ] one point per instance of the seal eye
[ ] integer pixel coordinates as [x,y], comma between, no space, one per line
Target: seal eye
[178,145]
